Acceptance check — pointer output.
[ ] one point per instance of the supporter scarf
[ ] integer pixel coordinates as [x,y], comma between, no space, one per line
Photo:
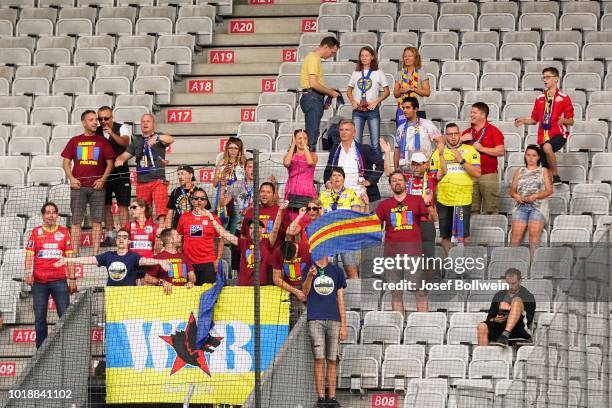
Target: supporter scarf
[149,158]
[220,209]
[404,139]
[482,135]
[411,179]
[457,229]
[360,165]
[363,83]
[548,108]
[410,80]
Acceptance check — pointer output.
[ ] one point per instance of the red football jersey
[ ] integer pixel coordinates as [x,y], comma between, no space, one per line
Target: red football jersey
[198,237]
[142,237]
[48,247]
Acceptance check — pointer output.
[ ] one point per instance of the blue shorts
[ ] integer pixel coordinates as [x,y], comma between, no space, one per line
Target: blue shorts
[527,213]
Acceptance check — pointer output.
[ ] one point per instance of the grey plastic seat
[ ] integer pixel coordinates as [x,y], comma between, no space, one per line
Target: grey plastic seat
[359,366]
[479,45]
[336,17]
[198,20]
[246,128]
[401,364]
[582,17]
[156,20]
[457,16]
[429,392]
[176,49]
[378,17]
[75,21]
[447,361]
[116,20]
[36,22]
[109,71]
[54,50]
[491,362]
[415,17]
[393,44]
[96,50]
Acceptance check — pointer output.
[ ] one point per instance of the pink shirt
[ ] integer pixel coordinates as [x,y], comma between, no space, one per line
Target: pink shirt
[301,177]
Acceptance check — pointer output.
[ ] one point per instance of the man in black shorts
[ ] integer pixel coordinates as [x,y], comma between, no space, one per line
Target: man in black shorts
[118,134]
[507,314]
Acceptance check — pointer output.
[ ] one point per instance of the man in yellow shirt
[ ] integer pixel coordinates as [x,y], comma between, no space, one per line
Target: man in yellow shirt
[457,165]
[313,88]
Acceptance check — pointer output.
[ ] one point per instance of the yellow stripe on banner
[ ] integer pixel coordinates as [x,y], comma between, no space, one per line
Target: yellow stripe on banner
[123,387]
[234,304]
[344,222]
[341,233]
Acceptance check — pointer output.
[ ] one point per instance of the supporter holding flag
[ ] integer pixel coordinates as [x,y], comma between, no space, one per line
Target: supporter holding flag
[369,79]
[229,170]
[552,112]
[362,166]
[143,233]
[338,197]
[456,166]
[92,162]
[488,140]
[46,244]
[180,198]
[411,81]
[181,271]
[149,149]
[246,274]
[401,216]
[199,235]
[121,265]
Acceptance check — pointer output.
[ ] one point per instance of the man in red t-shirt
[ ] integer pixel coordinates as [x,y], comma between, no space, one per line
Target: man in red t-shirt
[92,161]
[489,141]
[199,239]
[402,216]
[290,261]
[267,213]
[46,245]
[180,274]
[553,112]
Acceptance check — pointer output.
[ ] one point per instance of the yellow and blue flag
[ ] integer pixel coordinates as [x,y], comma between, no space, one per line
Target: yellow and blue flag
[341,231]
[151,340]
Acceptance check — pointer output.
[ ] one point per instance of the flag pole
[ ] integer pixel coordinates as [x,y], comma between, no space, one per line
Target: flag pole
[256,317]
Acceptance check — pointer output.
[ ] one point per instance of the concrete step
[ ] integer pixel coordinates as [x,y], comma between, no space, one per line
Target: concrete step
[11,365]
[275,10]
[205,114]
[243,55]
[226,84]
[239,98]
[221,39]
[257,68]
[199,129]
[268,25]
[20,340]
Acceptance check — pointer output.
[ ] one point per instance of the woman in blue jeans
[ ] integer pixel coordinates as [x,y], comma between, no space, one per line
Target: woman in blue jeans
[531,185]
[369,81]
[46,245]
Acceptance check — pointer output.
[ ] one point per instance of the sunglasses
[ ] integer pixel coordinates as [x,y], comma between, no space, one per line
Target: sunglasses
[199,198]
[133,207]
[313,208]
[100,118]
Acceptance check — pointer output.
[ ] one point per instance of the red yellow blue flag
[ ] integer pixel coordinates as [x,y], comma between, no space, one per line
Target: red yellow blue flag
[341,231]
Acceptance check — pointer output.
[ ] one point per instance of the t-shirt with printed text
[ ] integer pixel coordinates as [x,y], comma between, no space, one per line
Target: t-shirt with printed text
[178,275]
[48,246]
[402,221]
[456,187]
[198,237]
[89,155]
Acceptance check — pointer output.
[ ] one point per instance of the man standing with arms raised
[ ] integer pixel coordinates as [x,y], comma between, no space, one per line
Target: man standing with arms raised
[118,135]
[150,152]
[488,140]
[314,89]
[553,111]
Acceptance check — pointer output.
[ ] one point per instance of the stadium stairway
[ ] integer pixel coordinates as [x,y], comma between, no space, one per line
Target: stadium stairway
[227,78]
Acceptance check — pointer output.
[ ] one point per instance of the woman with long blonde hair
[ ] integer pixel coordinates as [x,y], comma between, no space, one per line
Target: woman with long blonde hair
[411,80]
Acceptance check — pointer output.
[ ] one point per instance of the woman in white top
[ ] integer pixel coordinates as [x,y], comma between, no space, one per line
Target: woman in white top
[412,81]
[369,80]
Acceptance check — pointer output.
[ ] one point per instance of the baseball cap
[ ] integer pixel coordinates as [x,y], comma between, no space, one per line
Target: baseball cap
[418,157]
[187,168]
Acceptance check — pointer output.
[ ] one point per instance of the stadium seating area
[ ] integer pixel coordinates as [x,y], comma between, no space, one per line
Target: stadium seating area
[61,57]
